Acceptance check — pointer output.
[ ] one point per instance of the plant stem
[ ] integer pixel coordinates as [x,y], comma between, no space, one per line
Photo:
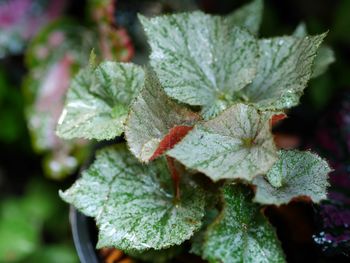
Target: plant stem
[175,176]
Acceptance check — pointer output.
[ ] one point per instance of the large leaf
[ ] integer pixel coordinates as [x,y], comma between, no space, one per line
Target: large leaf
[248,16]
[201,59]
[284,68]
[98,100]
[241,233]
[236,144]
[295,174]
[325,55]
[134,204]
[151,117]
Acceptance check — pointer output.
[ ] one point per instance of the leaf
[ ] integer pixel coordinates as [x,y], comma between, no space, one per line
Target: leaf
[187,54]
[54,253]
[324,58]
[19,235]
[199,237]
[241,233]
[284,68]
[52,58]
[156,123]
[134,204]
[98,99]
[325,55]
[295,174]
[236,144]
[248,16]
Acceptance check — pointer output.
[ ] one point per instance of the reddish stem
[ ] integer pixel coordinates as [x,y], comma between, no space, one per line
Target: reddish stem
[175,176]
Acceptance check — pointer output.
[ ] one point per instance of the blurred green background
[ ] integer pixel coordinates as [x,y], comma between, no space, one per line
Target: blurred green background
[33,221]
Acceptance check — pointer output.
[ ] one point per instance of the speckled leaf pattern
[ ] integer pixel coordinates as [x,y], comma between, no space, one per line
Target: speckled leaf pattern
[98,100]
[295,174]
[133,204]
[187,54]
[284,68]
[248,16]
[151,117]
[236,144]
[241,233]
[325,56]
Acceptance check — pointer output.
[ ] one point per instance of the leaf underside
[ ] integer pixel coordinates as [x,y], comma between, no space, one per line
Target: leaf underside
[98,100]
[155,122]
[295,174]
[133,204]
[187,54]
[236,144]
[241,233]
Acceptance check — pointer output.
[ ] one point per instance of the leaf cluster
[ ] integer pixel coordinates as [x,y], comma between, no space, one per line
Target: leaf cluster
[204,107]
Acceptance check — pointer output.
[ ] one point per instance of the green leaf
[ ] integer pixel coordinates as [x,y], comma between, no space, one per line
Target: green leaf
[199,237]
[134,205]
[241,233]
[324,58]
[57,253]
[201,59]
[248,16]
[19,234]
[98,99]
[325,55]
[284,68]
[236,144]
[151,117]
[295,174]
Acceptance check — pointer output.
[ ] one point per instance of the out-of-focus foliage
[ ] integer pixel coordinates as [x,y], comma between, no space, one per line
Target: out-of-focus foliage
[21,19]
[24,221]
[53,58]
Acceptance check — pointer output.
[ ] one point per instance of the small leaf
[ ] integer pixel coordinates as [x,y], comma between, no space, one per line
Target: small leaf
[325,55]
[324,58]
[241,233]
[98,100]
[134,204]
[284,68]
[187,54]
[295,174]
[156,123]
[248,16]
[236,144]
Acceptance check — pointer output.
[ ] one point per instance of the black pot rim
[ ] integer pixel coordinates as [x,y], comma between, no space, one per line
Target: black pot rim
[82,237]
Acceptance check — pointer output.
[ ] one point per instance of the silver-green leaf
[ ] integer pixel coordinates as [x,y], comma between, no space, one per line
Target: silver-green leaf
[248,16]
[241,233]
[284,69]
[325,55]
[295,174]
[98,100]
[134,204]
[152,115]
[236,144]
[201,59]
